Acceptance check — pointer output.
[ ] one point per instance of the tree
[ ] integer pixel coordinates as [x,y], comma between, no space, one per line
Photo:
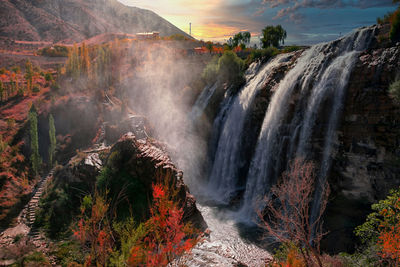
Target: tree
[209,46]
[28,75]
[1,91]
[230,67]
[73,66]
[394,91]
[395,25]
[246,36]
[273,36]
[167,237]
[381,231]
[35,157]
[389,237]
[287,212]
[241,38]
[94,231]
[85,60]
[53,141]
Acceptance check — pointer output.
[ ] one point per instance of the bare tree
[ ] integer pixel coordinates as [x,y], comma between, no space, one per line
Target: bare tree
[287,210]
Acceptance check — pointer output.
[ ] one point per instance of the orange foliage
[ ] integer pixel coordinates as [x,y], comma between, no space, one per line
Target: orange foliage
[13,176]
[293,259]
[94,232]
[389,237]
[167,237]
[218,49]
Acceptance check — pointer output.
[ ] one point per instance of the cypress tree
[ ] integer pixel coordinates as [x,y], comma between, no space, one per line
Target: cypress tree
[1,90]
[35,157]
[28,75]
[52,135]
[85,60]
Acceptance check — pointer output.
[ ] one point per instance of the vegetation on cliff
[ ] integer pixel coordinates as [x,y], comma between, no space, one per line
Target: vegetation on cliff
[122,219]
[227,68]
[394,91]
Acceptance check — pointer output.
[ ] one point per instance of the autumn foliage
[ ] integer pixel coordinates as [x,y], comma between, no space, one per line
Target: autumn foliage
[389,236]
[159,240]
[287,215]
[167,236]
[93,230]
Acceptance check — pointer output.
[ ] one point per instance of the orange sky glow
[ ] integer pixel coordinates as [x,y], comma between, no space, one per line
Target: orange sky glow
[306,22]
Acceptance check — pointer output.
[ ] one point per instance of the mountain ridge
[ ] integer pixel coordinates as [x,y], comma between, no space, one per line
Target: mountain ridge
[76,20]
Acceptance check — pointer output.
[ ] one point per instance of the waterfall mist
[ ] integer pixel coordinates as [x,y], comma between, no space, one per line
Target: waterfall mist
[159,89]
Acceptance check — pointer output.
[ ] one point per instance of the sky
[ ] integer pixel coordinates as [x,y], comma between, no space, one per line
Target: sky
[306,21]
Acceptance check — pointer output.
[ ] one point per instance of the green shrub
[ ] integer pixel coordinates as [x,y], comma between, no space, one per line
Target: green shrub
[126,189]
[394,91]
[230,67]
[36,257]
[48,77]
[55,51]
[69,252]
[2,70]
[369,254]
[60,205]
[261,54]
[16,69]
[291,48]
[17,238]
[369,231]
[227,68]
[395,28]
[210,72]
[129,233]
[385,19]
[36,88]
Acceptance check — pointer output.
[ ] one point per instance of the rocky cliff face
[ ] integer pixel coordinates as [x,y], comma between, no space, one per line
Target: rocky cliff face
[366,161]
[147,161]
[127,169]
[365,150]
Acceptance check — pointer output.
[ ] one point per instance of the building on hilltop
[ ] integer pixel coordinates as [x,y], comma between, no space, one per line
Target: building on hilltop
[147,35]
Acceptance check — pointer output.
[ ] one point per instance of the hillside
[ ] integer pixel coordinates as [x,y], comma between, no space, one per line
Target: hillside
[75,20]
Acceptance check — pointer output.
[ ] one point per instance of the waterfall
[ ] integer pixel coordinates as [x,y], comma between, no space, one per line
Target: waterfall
[202,101]
[315,84]
[230,121]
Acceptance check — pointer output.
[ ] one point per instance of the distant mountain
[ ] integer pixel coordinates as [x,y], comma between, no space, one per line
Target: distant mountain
[75,20]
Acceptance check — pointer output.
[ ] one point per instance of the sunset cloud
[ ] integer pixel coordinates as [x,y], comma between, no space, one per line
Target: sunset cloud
[290,8]
[304,20]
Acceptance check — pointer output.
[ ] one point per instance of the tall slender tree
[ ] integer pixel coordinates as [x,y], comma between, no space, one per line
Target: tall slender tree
[35,156]
[1,90]
[85,60]
[28,75]
[53,141]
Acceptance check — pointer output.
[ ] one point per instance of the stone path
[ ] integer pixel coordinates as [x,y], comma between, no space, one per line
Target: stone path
[25,226]
[28,214]
[27,217]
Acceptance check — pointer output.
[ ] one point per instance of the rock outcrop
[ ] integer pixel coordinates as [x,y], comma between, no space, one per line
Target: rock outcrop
[148,161]
[366,161]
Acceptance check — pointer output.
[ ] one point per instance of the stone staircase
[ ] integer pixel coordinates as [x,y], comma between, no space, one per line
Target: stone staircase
[33,206]
[28,214]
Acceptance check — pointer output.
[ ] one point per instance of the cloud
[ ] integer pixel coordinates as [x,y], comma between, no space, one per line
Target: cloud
[217,20]
[291,8]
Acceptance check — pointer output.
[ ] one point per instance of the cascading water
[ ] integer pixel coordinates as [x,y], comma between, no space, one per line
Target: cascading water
[305,107]
[319,77]
[224,172]
[202,101]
